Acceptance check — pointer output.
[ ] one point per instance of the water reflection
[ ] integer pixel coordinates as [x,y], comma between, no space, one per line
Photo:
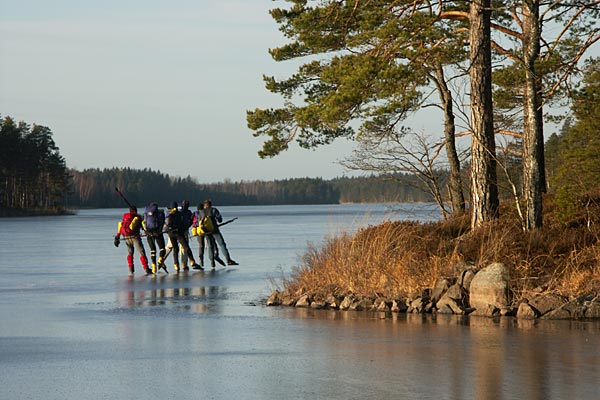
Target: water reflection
[469,357]
[194,292]
[72,326]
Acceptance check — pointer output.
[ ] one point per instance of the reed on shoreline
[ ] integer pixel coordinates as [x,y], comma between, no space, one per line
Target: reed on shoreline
[400,259]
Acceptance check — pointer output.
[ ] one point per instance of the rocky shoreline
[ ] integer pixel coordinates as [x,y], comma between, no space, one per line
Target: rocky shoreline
[485,292]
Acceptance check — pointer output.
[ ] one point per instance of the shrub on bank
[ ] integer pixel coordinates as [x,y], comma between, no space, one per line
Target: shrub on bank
[400,259]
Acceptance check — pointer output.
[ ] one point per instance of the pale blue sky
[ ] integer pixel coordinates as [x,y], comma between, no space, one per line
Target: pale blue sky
[148,83]
[157,84]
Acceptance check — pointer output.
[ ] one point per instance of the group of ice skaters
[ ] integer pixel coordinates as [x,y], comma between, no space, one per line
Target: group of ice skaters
[176,223]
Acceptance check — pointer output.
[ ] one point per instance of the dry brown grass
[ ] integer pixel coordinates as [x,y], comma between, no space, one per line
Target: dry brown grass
[397,259]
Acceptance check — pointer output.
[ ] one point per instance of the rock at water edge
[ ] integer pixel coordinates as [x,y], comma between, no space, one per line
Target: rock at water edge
[489,289]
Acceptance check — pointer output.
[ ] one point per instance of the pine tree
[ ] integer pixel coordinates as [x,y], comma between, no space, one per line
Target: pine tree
[543,60]
[579,171]
[366,67]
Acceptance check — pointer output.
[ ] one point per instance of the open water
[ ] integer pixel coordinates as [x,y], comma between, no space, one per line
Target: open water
[74,325]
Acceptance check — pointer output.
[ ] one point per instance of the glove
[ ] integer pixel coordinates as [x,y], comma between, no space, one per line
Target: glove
[117,241]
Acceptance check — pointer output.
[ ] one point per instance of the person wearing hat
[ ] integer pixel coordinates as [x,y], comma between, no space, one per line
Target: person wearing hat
[176,228]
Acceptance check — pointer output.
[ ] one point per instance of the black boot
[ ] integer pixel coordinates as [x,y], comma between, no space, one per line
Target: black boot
[218,259]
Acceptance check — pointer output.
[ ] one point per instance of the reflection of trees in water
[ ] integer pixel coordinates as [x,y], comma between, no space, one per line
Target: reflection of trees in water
[469,357]
[176,291]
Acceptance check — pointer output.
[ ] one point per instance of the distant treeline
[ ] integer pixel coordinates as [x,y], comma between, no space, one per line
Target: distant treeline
[95,188]
[34,180]
[33,175]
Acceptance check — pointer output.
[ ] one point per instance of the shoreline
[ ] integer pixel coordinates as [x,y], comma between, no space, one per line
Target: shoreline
[485,292]
[582,308]
[446,267]
[19,213]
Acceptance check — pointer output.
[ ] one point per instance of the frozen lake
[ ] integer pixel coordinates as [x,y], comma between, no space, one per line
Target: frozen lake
[74,325]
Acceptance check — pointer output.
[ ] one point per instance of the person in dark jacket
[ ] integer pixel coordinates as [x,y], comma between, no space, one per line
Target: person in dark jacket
[153,223]
[176,228]
[216,217]
[188,216]
[204,239]
[130,227]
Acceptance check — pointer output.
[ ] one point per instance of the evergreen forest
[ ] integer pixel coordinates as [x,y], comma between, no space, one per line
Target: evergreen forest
[33,174]
[95,188]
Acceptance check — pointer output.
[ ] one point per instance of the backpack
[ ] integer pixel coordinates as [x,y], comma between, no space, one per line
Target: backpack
[174,222]
[130,225]
[154,218]
[202,223]
[206,225]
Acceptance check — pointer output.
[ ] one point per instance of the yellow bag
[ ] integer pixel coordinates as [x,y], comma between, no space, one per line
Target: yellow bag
[206,226]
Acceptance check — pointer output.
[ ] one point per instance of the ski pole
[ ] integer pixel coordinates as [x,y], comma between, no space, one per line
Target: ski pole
[123,197]
[134,236]
[227,222]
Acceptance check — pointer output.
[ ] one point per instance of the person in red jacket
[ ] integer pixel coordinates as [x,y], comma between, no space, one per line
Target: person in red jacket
[130,227]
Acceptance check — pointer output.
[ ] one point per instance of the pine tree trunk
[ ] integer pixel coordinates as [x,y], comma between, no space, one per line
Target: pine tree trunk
[455,185]
[533,134]
[484,188]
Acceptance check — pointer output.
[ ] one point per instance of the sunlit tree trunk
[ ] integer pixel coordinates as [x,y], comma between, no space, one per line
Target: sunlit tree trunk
[533,134]
[484,189]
